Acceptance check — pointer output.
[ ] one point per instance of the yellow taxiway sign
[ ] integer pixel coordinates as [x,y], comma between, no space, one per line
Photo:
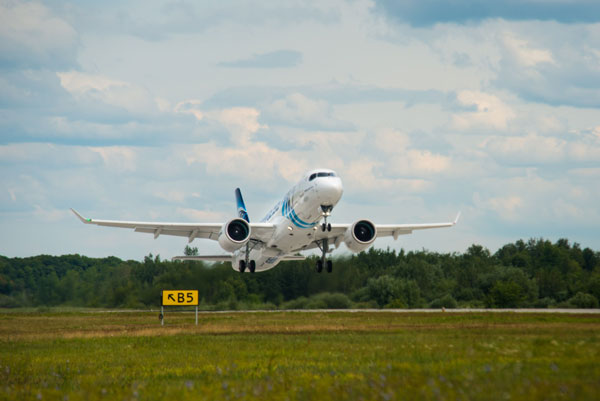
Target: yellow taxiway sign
[179,297]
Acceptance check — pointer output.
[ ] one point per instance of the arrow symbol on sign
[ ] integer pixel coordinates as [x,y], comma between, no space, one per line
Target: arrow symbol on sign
[171,297]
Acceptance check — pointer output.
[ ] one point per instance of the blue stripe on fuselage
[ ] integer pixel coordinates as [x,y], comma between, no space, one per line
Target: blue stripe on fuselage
[290,213]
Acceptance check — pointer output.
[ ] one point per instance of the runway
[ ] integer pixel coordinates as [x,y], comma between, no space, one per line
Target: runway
[479,310]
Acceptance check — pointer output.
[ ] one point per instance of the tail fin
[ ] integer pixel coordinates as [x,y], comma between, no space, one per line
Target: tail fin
[241,207]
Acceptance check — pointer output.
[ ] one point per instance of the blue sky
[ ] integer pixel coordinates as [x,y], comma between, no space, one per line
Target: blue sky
[157,110]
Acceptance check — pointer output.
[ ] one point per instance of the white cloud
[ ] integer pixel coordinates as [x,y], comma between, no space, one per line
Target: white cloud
[202,215]
[524,53]
[119,158]
[156,129]
[192,107]
[171,196]
[91,87]
[362,175]
[400,159]
[530,149]
[49,154]
[253,161]
[491,112]
[11,193]
[32,37]
[508,207]
[391,141]
[534,149]
[298,110]
[242,122]
[49,215]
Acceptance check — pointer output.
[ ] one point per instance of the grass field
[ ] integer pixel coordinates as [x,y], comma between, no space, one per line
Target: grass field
[299,356]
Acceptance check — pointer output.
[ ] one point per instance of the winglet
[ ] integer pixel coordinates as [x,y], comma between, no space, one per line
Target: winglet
[80,217]
[456,219]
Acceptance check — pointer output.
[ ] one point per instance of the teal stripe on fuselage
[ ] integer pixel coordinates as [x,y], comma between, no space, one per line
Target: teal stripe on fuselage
[290,213]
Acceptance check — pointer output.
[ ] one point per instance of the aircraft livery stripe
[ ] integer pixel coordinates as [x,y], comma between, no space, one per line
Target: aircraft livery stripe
[290,213]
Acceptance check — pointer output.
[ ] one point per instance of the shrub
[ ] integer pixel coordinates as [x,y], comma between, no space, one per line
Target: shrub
[582,300]
[447,301]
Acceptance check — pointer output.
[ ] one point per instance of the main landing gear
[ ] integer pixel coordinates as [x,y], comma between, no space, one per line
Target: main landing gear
[324,245]
[328,265]
[250,264]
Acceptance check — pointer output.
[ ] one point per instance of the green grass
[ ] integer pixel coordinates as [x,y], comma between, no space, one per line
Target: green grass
[297,356]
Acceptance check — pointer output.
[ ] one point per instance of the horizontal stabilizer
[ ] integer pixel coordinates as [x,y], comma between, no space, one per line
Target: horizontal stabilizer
[206,258]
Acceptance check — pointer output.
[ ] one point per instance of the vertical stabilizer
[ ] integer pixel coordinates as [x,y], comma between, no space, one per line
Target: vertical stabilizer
[241,207]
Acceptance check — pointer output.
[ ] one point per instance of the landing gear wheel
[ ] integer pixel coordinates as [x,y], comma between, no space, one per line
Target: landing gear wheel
[328,226]
[242,266]
[329,266]
[252,266]
[319,266]
[323,227]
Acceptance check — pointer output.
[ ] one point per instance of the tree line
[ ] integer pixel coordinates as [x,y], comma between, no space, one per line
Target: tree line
[535,273]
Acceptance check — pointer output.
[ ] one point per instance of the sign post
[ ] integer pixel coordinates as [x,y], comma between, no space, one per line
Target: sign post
[178,298]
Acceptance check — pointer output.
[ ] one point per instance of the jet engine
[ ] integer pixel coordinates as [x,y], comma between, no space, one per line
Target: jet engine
[234,234]
[360,235]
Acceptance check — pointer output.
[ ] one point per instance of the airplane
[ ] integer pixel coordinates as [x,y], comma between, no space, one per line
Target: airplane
[296,223]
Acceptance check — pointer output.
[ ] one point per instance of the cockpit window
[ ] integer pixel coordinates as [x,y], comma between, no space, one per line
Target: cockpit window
[322,174]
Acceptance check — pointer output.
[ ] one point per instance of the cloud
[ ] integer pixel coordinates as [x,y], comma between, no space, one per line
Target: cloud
[255,161]
[171,196]
[298,110]
[118,158]
[524,54]
[97,88]
[366,177]
[531,200]
[559,68]
[403,161]
[334,93]
[508,206]
[158,21]
[32,37]
[202,215]
[274,59]
[527,150]
[491,112]
[241,122]
[425,13]
[580,148]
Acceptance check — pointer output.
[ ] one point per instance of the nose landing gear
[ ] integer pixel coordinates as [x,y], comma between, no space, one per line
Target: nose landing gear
[326,212]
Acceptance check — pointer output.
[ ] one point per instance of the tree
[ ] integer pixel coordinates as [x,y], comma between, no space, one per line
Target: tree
[189,251]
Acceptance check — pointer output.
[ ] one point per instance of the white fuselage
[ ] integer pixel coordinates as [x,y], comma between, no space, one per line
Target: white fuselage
[296,218]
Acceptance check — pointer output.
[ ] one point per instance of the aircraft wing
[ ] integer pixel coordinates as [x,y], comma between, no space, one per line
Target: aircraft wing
[336,235]
[259,231]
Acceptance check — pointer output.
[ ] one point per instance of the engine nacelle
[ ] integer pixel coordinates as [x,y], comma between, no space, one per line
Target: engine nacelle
[360,235]
[234,234]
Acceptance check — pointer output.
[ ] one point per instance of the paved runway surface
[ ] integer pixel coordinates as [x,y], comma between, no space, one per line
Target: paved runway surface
[524,310]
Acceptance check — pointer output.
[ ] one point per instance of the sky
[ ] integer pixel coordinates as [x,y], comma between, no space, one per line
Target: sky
[157,110]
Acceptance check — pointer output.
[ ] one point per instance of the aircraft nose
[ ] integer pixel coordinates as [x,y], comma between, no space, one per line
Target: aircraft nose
[330,191]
